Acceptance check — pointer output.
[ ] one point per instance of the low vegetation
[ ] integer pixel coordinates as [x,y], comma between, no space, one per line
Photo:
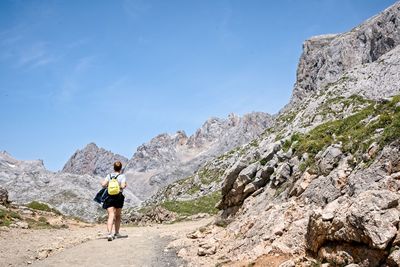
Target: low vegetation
[35,205]
[205,204]
[7,216]
[379,122]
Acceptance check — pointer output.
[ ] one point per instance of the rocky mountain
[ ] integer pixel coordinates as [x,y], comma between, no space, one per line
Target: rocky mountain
[92,160]
[321,185]
[167,158]
[71,194]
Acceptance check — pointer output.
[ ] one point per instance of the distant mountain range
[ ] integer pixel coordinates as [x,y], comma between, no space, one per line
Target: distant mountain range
[157,163]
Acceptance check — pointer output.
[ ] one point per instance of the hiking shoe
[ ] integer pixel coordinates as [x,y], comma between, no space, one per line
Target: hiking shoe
[109,237]
[117,235]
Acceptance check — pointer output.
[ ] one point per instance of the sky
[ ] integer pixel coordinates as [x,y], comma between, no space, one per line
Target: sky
[119,73]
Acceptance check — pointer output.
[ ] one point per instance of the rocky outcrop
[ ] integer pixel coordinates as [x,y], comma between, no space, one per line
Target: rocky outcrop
[92,160]
[370,220]
[326,58]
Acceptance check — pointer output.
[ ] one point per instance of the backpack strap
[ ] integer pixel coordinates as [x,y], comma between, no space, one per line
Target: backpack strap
[115,177]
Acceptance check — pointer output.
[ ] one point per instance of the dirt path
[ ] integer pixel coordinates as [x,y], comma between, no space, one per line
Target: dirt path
[144,246]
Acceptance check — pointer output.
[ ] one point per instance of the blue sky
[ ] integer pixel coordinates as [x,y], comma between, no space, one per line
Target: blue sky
[118,73]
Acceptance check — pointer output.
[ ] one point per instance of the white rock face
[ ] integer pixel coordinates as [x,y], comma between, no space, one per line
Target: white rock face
[326,58]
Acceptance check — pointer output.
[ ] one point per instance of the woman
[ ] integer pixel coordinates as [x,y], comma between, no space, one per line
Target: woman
[114,203]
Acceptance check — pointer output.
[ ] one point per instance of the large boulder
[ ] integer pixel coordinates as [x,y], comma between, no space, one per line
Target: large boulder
[246,176]
[231,175]
[369,220]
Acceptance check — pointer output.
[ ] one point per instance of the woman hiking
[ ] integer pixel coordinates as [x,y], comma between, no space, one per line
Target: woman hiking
[115,182]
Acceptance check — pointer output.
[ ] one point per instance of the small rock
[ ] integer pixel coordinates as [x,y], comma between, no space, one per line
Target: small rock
[394,259]
[395,175]
[22,225]
[201,252]
[4,228]
[327,216]
[182,253]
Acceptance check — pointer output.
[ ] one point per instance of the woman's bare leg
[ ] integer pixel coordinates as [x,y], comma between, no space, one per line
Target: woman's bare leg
[111,217]
[117,220]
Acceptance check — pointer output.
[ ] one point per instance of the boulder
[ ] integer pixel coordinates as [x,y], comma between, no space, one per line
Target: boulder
[282,174]
[329,159]
[208,247]
[250,188]
[263,175]
[246,176]
[368,220]
[343,254]
[321,191]
[270,150]
[231,175]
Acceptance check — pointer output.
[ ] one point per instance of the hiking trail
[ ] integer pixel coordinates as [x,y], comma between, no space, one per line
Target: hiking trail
[144,246]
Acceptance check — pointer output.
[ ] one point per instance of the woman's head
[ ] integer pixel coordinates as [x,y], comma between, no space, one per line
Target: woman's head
[117,166]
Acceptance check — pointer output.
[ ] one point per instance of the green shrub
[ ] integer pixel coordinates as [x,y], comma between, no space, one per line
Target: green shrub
[35,205]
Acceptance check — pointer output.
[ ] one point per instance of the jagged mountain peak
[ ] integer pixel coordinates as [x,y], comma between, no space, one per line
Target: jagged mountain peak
[92,160]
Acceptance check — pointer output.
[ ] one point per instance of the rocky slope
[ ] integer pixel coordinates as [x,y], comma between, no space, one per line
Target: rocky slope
[321,184]
[167,158]
[92,160]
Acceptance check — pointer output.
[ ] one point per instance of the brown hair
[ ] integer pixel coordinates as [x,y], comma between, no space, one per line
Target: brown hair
[117,166]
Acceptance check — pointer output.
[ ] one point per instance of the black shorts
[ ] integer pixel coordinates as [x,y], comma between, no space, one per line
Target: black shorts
[116,201]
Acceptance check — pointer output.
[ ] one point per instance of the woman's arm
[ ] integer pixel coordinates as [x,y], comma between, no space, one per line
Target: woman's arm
[123,185]
[104,183]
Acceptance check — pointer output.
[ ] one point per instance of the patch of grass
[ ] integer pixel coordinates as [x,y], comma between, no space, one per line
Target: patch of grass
[207,176]
[205,204]
[289,142]
[5,218]
[35,205]
[355,132]
[288,118]
[254,143]
[194,189]
[42,223]
[15,215]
